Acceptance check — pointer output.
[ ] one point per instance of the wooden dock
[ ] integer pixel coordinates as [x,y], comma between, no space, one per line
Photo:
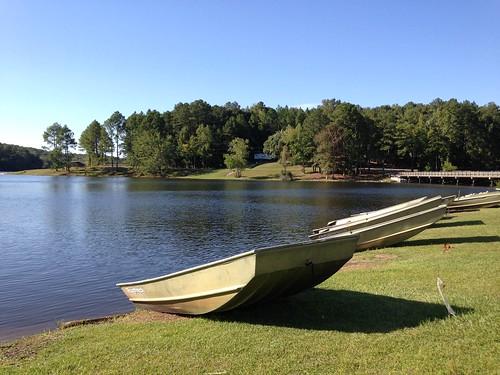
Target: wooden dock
[454,176]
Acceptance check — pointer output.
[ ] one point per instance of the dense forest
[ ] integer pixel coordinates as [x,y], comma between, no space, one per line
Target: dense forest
[16,158]
[335,137]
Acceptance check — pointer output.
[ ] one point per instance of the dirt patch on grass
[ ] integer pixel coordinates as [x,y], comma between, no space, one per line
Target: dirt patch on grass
[25,348]
[146,316]
[385,256]
[12,352]
[362,264]
[137,316]
[358,265]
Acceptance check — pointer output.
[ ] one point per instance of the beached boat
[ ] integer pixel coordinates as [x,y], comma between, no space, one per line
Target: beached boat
[364,215]
[448,199]
[243,279]
[485,199]
[390,232]
[380,216]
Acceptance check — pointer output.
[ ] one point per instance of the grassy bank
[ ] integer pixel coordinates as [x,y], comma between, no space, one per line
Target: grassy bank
[380,314]
[267,171]
[89,172]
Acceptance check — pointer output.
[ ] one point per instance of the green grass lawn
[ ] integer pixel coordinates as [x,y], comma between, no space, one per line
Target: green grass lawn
[41,172]
[100,171]
[266,171]
[380,314]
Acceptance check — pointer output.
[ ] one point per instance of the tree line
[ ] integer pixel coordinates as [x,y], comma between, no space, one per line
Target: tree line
[17,158]
[335,136]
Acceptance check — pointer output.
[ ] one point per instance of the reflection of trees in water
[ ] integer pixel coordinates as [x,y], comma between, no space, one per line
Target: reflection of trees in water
[158,226]
[79,236]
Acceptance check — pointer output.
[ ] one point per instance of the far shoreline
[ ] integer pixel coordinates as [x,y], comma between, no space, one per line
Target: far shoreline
[263,172]
[268,172]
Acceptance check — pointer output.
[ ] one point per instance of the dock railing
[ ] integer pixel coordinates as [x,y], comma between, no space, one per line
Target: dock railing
[452,174]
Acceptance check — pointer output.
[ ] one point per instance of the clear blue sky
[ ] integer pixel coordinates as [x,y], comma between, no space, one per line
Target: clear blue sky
[75,62]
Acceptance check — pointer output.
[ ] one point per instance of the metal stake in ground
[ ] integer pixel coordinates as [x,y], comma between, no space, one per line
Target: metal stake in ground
[440,286]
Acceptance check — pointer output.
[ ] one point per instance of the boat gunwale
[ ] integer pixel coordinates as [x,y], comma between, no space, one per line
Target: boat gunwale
[344,236]
[384,223]
[381,211]
[472,204]
[346,225]
[476,196]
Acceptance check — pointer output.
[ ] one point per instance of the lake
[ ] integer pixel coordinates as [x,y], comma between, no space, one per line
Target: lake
[66,241]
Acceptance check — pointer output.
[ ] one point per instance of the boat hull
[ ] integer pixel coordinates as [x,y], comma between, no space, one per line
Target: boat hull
[362,216]
[475,201]
[270,286]
[245,279]
[378,219]
[397,230]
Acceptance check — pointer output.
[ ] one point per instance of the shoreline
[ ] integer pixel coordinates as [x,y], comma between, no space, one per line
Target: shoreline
[9,337]
[209,176]
[380,297]
[361,260]
[263,172]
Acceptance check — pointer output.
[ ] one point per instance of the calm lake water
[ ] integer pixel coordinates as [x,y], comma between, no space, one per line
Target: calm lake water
[66,241]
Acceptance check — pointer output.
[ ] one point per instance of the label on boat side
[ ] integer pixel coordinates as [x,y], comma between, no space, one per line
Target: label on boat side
[135,290]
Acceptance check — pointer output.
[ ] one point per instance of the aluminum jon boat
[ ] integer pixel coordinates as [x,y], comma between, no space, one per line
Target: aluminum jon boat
[393,231]
[485,199]
[364,215]
[380,216]
[244,279]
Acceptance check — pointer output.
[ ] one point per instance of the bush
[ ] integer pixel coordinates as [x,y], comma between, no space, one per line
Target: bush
[287,176]
[448,167]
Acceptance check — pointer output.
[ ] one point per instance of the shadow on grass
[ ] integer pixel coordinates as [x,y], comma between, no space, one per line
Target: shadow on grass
[452,240]
[458,224]
[188,172]
[456,210]
[340,310]
[448,217]
[263,177]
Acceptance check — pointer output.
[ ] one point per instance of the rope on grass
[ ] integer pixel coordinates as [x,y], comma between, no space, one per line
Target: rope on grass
[440,286]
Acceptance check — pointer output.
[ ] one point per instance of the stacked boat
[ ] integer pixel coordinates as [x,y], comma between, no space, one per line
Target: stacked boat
[475,201]
[268,273]
[389,225]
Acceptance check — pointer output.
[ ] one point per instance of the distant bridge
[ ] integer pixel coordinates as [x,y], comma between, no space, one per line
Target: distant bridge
[456,176]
